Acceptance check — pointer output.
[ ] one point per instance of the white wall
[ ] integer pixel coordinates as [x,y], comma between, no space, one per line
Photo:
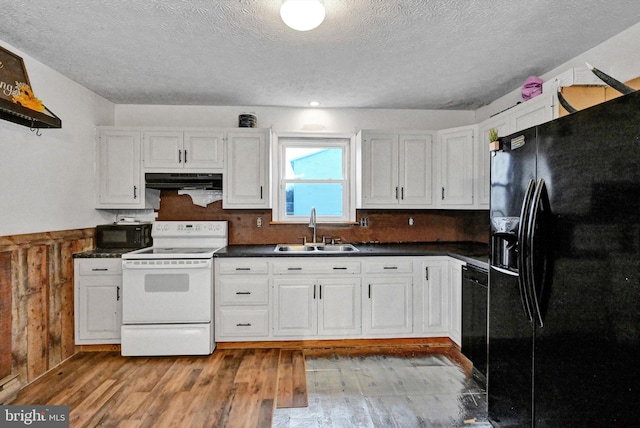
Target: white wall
[46,182]
[293,119]
[619,57]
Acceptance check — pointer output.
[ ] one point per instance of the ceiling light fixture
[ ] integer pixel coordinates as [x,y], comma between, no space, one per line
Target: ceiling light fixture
[314,103]
[302,15]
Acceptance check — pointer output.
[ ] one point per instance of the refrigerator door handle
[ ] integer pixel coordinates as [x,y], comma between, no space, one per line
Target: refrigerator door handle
[539,211]
[525,213]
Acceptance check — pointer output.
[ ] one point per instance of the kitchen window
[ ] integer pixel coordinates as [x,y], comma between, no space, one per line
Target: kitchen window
[314,171]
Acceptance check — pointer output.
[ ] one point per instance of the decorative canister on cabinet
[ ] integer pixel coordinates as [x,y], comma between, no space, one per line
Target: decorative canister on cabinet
[247,120]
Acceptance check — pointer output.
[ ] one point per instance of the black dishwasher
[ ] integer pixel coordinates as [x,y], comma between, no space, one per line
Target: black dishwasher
[474,316]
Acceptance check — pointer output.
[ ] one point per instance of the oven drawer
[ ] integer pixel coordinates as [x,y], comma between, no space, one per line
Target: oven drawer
[245,290]
[244,322]
[167,339]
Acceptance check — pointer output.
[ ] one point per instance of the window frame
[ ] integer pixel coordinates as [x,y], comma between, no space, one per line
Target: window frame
[314,140]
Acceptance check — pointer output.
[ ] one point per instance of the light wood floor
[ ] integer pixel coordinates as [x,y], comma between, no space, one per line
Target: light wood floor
[230,388]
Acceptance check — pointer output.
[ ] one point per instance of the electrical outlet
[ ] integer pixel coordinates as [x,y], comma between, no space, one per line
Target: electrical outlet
[259,222]
[410,221]
[364,221]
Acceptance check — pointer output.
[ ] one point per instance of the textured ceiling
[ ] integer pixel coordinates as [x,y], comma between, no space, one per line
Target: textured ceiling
[414,54]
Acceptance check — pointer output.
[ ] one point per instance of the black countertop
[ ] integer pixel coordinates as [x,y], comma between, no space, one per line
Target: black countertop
[97,253]
[471,252]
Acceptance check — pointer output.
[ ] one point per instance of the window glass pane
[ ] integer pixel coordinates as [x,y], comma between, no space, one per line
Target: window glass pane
[327,198]
[308,163]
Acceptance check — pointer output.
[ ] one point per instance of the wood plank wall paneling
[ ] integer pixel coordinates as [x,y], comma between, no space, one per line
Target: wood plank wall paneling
[5,314]
[384,225]
[36,311]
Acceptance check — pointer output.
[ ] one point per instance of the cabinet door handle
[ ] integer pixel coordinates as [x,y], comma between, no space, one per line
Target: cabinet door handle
[339,268]
[243,292]
[118,293]
[294,268]
[369,290]
[396,192]
[260,192]
[185,155]
[243,324]
[314,291]
[402,193]
[243,268]
[179,156]
[426,274]
[390,267]
[443,193]
[135,192]
[100,269]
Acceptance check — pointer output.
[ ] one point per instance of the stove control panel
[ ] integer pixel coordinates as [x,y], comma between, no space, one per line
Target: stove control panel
[187,228]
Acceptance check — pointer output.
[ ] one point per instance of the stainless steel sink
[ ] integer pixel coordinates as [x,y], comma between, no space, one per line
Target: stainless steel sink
[311,248]
[342,248]
[294,248]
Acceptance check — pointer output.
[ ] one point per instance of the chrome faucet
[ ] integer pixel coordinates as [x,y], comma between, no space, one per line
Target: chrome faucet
[312,222]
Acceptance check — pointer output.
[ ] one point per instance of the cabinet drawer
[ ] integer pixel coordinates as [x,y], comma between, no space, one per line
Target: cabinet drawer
[242,267]
[388,266]
[102,266]
[251,290]
[297,266]
[244,322]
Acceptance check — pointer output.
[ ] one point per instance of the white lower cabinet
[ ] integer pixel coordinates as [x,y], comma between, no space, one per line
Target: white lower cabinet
[98,306]
[242,299]
[388,307]
[455,300]
[314,298]
[295,308]
[435,296]
[317,307]
[339,307]
[302,298]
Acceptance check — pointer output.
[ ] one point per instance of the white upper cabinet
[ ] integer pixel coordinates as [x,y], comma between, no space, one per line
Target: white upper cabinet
[456,167]
[483,157]
[416,169]
[203,150]
[538,110]
[169,150]
[119,176]
[246,181]
[397,169]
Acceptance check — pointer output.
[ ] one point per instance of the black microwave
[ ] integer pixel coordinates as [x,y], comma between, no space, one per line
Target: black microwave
[117,235]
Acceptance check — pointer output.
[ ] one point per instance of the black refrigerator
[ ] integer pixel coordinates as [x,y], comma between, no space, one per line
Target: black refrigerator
[564,281]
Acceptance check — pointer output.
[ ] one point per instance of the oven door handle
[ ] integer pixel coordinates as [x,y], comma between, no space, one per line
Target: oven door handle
[166,264]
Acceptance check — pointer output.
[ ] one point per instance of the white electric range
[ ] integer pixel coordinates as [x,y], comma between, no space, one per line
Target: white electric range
[167,290]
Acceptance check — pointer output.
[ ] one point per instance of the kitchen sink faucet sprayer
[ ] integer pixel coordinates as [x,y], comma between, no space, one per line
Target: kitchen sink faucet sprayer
[312,222]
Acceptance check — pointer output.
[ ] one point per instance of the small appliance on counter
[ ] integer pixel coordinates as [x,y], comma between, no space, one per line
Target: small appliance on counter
[124,235]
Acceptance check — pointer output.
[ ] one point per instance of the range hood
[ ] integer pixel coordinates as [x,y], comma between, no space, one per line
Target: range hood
[183,181]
